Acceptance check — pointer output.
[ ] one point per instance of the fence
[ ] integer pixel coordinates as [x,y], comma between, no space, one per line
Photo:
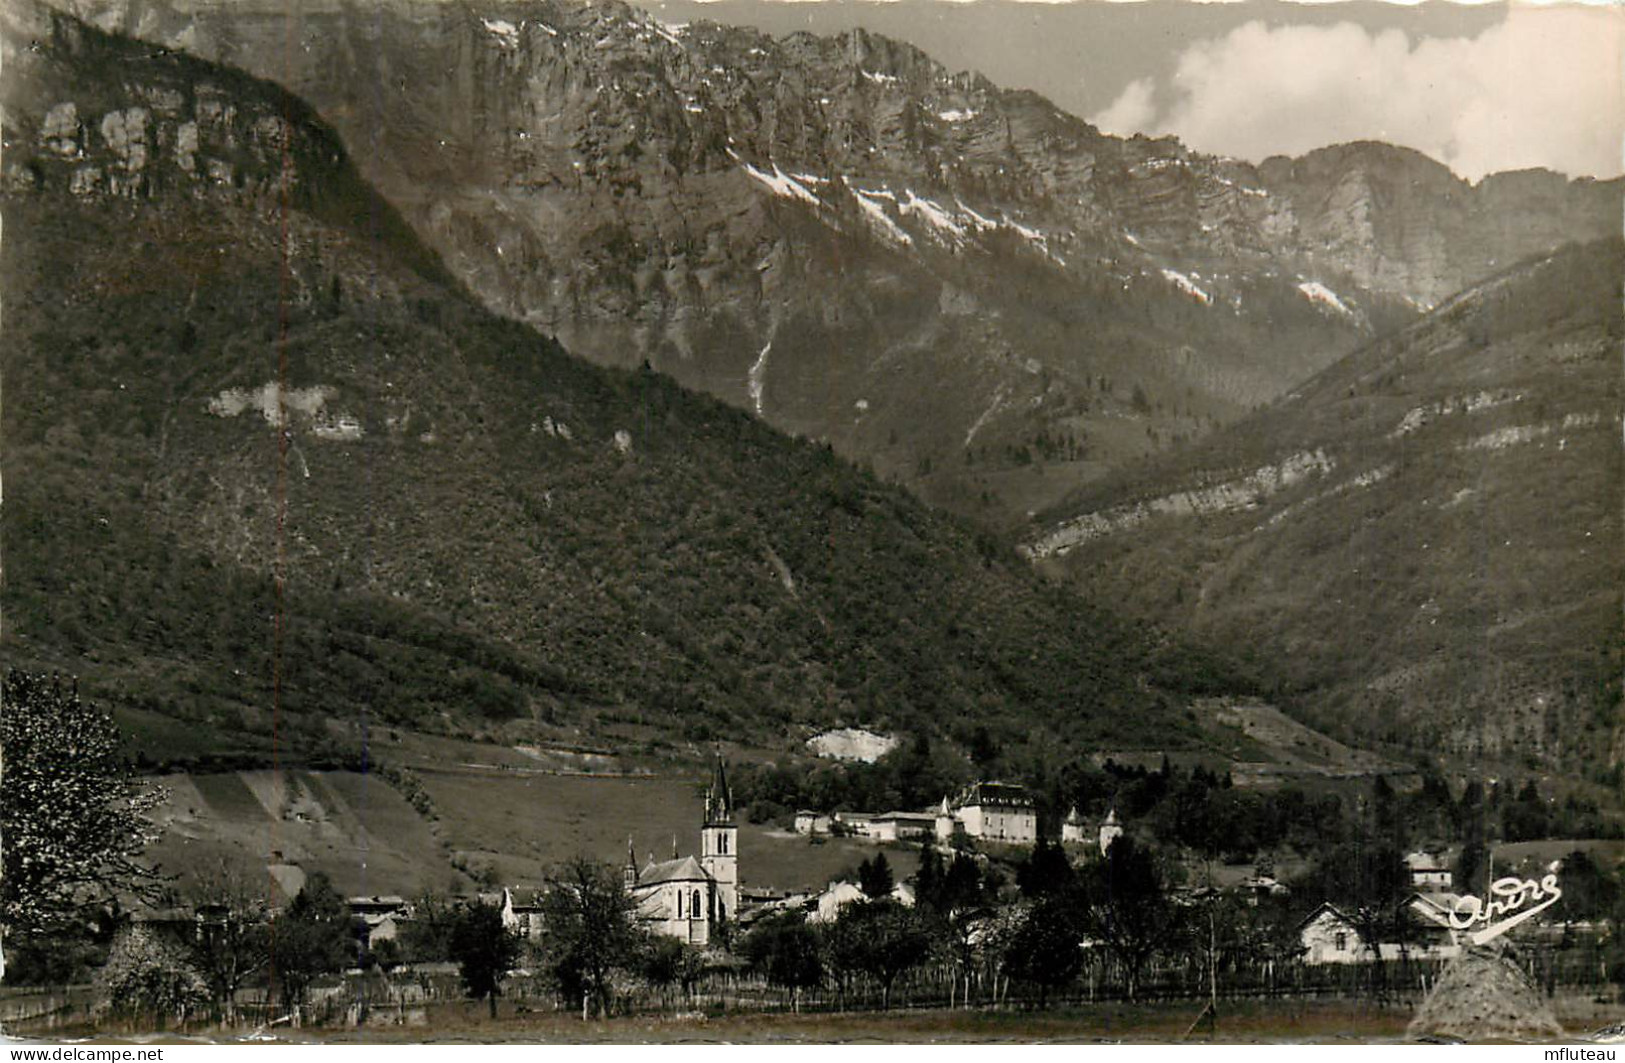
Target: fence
[408,997]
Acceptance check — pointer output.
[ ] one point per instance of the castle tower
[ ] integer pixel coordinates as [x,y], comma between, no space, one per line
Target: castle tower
[1110,831]
[719,843]
[1072,828]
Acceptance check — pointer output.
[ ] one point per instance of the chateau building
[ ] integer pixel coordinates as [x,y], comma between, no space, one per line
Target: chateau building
[686,897]
[993,811]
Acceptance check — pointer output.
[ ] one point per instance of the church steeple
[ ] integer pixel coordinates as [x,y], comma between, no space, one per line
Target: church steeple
[719,799]
[719,843]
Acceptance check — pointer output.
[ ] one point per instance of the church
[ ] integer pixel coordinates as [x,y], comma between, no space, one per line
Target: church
[685,897]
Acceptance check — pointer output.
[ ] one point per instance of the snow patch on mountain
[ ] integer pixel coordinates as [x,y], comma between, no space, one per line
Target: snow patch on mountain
[783,184]
[932,213]
[506,33]
[878,217]
[1316,292]
[1188,286]
[987,414]
[979,222]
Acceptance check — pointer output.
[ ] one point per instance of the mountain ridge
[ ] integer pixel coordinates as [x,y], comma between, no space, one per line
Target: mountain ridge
[1425,534]
[960,285]
[272,487]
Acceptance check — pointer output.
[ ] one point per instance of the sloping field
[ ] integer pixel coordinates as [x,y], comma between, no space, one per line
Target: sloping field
[504,827]
[522,823]
[352,826]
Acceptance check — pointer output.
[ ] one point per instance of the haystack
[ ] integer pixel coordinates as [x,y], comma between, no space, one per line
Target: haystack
[1483,995]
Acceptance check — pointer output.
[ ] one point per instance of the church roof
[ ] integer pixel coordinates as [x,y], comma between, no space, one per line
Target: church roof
[719,797]
[682,869]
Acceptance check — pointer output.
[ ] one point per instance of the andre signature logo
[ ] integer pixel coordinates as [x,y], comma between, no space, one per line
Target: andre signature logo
[1508,905]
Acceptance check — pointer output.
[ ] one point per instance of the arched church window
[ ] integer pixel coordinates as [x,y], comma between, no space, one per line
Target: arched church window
[695,907]
[679,904]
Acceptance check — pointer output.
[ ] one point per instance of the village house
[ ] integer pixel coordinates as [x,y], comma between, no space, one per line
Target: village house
[522,912]
[826,907]
[685,897]
[810,822]
[1429,871]
[855,824]
[1330,937]
[903,826]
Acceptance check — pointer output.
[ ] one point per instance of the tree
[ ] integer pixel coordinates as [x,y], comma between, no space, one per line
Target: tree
[426,937]
[484,950]
[233,942]
[668,961]
[592,930]
[1046,949]
[1129,910]
[1046,872]
[148,977]
[875,877]
[73,821]
[883,939]
[785,950]
[312,938]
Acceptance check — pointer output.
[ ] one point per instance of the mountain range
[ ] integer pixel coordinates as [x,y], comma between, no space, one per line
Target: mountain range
[963,287]
[1285,409]
[275,480]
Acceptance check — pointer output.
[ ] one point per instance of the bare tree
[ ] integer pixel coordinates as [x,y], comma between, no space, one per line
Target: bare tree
[233,942]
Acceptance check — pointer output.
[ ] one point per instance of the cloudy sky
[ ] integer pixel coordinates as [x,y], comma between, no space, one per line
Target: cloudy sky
[1481,87]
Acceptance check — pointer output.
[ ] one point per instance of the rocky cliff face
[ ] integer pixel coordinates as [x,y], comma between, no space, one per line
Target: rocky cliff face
[962,285]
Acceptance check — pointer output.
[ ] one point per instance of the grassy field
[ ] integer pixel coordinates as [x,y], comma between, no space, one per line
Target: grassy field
[352,826]
[522,823]
[509,826]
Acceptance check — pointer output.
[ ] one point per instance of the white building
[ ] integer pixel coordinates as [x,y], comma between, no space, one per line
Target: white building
[685,897]
[809,821]
[1328,936]
[522,912]
[991,811]
[903,826]
[827,907]
[1110,831]
[1074,829]
[1429,871]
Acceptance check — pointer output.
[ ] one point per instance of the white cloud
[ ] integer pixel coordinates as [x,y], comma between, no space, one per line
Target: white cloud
[1132,111]
[1542,88]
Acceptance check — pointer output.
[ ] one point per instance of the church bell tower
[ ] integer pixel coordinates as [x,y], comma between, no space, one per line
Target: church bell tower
[719,843]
